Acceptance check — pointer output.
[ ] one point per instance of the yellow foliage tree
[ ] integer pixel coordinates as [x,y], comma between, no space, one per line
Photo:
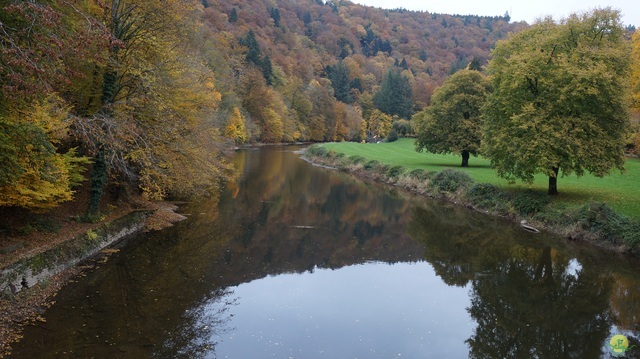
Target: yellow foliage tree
[34,174]
[379,124]
[273,129]
[236,129]
[635,70]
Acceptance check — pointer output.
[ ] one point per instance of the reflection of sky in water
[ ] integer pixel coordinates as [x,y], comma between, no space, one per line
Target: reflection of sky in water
[373,310]
[574,267]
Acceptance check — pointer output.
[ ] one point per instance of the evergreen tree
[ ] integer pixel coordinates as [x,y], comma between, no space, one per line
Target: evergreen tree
[254,55]
[386,47]
[339,76]
[475,65]
[404,64]
[275,15]
[394,95]
[306,18]
[233,16]
[267,69]
[356,84]
[423,55]
[346,47]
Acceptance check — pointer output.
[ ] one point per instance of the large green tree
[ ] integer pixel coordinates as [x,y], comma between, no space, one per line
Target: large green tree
[452,123]
[559,99]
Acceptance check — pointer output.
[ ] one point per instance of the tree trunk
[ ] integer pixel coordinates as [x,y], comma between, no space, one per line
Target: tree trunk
[465,158]
[544,270]
[553,182]
[99,177]
[109,84]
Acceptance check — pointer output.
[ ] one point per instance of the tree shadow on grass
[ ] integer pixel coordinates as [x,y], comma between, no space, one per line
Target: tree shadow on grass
[580,196]
[454,165]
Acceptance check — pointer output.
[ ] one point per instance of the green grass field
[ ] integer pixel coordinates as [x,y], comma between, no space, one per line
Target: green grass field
[620,191]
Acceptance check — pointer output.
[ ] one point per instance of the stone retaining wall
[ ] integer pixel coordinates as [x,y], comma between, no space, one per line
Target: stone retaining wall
[30,271]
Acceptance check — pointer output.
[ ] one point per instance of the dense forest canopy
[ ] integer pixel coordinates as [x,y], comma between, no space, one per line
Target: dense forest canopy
[154,94]
[327,61]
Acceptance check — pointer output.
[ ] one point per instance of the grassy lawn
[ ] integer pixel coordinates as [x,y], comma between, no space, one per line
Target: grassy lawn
[620,191]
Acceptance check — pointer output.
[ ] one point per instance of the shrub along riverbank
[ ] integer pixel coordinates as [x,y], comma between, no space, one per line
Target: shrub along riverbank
[605,212]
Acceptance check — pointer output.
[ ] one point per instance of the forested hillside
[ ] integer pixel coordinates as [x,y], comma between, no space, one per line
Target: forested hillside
[306,70]
[155,93]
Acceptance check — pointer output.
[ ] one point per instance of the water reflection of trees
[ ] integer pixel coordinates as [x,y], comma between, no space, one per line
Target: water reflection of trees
[202,324]
[528,299]
[289,216]
[531,307]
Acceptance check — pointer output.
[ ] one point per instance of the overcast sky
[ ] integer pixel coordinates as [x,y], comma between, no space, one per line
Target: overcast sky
[518,9]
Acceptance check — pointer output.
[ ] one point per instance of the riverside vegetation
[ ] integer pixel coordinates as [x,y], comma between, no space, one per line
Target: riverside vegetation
[609,217]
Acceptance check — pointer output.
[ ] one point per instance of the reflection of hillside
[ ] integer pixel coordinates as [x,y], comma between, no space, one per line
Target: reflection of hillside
[312,218]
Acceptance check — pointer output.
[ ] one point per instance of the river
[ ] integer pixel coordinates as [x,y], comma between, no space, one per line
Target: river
[295,261]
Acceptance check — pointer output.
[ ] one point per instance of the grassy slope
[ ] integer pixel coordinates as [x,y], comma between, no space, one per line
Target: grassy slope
[620,191]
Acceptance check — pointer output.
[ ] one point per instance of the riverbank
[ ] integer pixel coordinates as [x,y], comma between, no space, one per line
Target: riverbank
[34,266]
[618,190]
[593,222]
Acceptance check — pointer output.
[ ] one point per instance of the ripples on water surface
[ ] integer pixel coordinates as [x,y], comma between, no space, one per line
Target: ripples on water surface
[295,261]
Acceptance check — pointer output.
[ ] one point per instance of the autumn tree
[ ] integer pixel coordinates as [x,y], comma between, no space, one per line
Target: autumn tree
[322,126]
[261,102]
[34,174]
[635,71]
[38,169]
[452,123]
[236,129]
[378,124]
[559,99]
[154,127]
[635,93]
[394,95]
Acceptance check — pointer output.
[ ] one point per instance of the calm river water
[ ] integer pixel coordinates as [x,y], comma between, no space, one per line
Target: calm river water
[295,261]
